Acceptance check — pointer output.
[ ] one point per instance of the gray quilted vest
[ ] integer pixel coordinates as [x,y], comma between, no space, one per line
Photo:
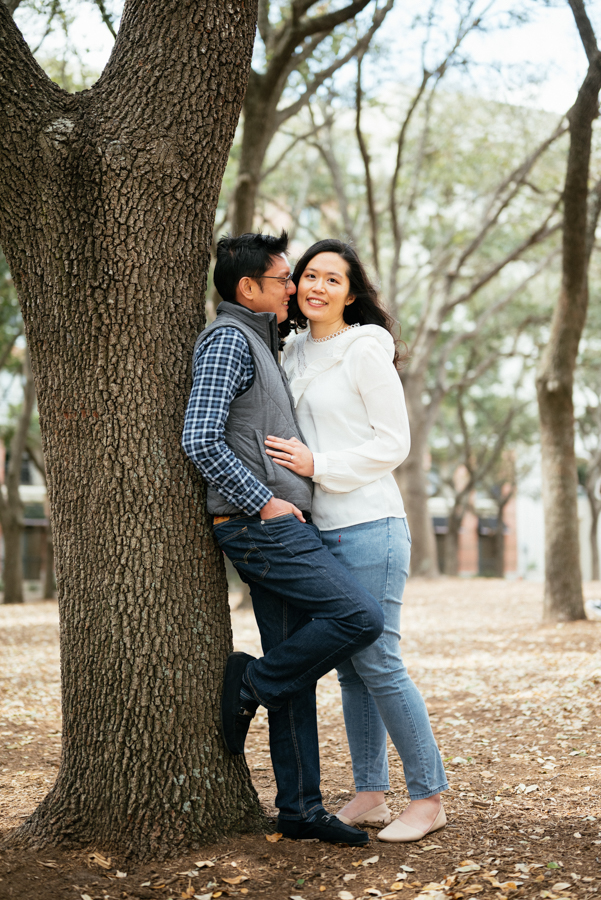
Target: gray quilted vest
[267,407]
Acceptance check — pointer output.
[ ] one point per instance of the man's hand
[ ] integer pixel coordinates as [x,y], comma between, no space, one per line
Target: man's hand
[292,454]
[275,508]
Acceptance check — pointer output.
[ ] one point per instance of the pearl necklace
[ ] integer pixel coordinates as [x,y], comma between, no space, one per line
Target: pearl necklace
[329,337]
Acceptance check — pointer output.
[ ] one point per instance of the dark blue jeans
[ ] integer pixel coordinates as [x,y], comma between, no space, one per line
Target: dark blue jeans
[312,615]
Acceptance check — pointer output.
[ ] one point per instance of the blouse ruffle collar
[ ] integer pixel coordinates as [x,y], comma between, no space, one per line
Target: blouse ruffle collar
[340,345]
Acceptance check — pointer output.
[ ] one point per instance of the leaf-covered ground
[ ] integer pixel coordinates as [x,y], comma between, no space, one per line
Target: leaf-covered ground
[515,707]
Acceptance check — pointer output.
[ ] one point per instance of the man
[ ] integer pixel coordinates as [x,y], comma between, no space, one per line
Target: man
[310,612]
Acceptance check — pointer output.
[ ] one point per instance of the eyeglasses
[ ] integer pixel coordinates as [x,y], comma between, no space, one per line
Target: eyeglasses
[283,281]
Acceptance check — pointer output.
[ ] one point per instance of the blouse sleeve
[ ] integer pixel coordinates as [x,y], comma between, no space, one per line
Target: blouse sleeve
[382,393]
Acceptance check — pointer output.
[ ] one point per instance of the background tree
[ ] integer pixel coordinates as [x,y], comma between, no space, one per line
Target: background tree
[588,424]
[11,505]
[299,53]
[483,428]
[107,202]
[555,379]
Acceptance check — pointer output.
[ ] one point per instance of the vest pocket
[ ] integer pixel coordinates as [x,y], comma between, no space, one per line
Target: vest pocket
[268,463]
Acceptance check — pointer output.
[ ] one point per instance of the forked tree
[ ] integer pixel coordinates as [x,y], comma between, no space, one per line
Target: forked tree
[107,202]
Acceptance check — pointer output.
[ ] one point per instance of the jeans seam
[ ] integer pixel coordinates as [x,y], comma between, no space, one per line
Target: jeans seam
[301,802]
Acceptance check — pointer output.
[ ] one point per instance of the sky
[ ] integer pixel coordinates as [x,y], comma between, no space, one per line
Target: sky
[543,60]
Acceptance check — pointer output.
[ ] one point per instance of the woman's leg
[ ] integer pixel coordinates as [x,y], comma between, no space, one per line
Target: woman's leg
[377,554]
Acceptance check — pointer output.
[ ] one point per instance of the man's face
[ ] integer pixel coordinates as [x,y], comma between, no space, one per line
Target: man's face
[275,294]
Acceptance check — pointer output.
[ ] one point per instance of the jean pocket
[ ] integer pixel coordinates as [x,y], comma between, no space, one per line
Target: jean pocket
[407,530]
[244,554]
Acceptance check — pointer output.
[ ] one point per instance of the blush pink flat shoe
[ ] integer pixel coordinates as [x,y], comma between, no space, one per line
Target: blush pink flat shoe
[377,815]
[400,833]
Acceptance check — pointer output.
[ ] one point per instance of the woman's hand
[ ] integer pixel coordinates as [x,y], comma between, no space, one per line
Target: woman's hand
[292,454]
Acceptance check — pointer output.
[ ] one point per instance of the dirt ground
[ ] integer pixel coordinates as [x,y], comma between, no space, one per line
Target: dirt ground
[515,708]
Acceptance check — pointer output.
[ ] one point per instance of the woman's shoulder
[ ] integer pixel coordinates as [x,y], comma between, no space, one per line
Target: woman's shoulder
[370,340]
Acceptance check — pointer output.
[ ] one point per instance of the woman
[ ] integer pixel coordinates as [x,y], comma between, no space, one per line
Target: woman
[351,410]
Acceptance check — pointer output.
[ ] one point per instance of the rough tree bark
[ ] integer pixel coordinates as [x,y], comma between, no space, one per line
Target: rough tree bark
[11,505]
[555,378]
[107,202]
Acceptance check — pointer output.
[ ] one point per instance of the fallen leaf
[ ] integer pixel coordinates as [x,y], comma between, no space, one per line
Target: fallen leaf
[406,869]
[552,865]
[371,861]
[85,897]
[203,896]
[346,895]
[104,861]
[468,867]
[473,889]
[296,897]
[120,874]
[350,877]
[431,847]
[358,863]
[49,865]
[561,886]
[273,838]
[397,886]
[237,880]
[204,864]
[401,876]
[192,873]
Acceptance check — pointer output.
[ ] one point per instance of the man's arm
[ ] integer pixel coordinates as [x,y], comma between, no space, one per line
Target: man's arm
[222,369]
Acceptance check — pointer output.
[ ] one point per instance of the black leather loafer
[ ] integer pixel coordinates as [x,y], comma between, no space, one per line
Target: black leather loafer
[325,827]
[235,717]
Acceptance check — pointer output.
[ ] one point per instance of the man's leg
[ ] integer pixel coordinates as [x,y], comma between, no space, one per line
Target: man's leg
[288,558]
[293,727]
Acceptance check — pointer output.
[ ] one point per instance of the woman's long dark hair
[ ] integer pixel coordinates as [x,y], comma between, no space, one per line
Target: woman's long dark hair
[366,309]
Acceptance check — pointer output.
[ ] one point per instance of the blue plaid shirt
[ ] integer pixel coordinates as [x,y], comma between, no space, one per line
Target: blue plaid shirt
[222,369]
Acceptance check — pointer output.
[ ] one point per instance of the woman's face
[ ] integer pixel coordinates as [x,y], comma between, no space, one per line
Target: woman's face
[323,290]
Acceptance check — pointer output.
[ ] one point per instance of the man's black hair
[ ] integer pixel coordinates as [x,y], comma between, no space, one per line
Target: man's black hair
[248,255]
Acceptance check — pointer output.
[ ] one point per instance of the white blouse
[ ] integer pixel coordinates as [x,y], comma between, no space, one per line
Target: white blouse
[351,408]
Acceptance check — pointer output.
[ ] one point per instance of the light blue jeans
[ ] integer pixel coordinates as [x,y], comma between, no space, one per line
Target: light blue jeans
[378,696]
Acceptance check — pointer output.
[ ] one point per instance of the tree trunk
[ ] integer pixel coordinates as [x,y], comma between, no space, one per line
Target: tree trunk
[49,586]
[563,578]
[414,486]
[11,505]
[108,202]
[499,543]
[259,129]
[451,545]
[12,575]
[595,508]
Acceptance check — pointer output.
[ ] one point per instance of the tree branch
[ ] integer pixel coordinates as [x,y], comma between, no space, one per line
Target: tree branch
[4,356]
[585,29]
[11,5]
[541,234]
[360,46]
[105,16]
[371,205]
